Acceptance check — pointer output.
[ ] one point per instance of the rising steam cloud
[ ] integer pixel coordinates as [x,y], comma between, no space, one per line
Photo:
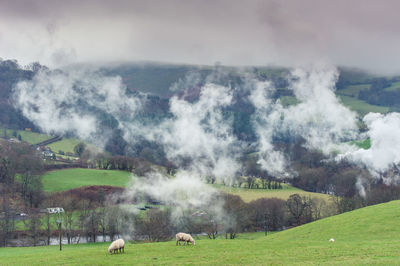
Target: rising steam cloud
[383,158]
[199,132]
[186,192]
[198,136]
[319,117]
[70,101]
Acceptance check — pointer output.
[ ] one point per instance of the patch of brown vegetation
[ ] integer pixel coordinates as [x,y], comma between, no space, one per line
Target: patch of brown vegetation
[91,193]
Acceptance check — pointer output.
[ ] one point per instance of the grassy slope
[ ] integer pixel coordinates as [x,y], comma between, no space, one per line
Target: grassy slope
[348,97]
[61,180]
[364,236]
[394,87]
[72,178]
[252,194]
[353,90]
[30,137]
[65,145]
[365,144]
[362,107]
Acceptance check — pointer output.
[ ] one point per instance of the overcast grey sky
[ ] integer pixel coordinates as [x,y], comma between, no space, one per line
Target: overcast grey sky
[360,33]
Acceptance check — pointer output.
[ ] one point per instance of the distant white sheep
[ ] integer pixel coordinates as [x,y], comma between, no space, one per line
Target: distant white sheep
[184,237]
[116,245]
[331,240]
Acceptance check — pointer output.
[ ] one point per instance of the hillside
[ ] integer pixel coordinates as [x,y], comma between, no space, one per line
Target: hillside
[62,180]
[248,195]
[364,236]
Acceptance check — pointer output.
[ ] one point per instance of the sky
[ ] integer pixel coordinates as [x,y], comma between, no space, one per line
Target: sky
[357,33]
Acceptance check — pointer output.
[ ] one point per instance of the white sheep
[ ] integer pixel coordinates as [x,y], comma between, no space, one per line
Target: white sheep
[186,238]
[331,240]
[117,245]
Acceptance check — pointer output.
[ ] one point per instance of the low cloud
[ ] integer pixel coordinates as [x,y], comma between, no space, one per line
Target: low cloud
[360,33]
[383,158]
[70,101]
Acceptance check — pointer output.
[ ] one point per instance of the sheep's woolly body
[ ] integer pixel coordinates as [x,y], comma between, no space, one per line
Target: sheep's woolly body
[118,244]
[184,237]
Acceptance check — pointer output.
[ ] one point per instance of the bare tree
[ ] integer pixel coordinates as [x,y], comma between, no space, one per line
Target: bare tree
[33,225]
[7,224]
[48,227]
[296,207]
[237,215]
[155,226]
[112,221]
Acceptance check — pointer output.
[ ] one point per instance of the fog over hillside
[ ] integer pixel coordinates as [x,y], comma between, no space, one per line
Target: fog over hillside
[221,109]
[197,134]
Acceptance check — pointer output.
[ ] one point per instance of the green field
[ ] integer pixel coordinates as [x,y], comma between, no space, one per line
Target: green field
[65,145]
[27,136]
[61,180]
[394,87]
[365,144]
[367,236]
[362,107]
[353,90]
[348,97]
[248,195]
[288,100]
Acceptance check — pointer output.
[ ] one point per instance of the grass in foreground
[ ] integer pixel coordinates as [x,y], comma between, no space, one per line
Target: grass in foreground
[61,180]
[366,236]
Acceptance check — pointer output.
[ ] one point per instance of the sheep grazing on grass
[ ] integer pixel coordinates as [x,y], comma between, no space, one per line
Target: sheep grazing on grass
[185,238]
[331,240]
[118,244]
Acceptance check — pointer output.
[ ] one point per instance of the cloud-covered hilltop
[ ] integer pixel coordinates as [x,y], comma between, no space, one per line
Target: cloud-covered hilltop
[361,33]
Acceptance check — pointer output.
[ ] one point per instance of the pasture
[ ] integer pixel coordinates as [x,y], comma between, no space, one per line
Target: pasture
[248,195]
[61,180]
[66,179]
[367,236]
[27,136]
[65,145]
[362,107]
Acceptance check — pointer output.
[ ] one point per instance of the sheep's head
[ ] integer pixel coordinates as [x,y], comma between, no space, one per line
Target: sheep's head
[193,242]
[110,250]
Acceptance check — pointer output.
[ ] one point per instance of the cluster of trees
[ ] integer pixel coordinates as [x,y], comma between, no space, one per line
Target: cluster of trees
[103,161]
[236,216]
[82,219]
[339,179]
[20,183]
[377,94]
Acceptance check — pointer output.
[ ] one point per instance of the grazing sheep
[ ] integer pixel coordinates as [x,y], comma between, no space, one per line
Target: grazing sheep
[116,245]
[186,238]
[331,240]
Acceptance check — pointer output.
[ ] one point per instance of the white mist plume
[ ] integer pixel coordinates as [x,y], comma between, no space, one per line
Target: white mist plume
[384,154]
[319,117]
[199,132]
[186,193]
[61,101]
[192,79]
[267,113]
